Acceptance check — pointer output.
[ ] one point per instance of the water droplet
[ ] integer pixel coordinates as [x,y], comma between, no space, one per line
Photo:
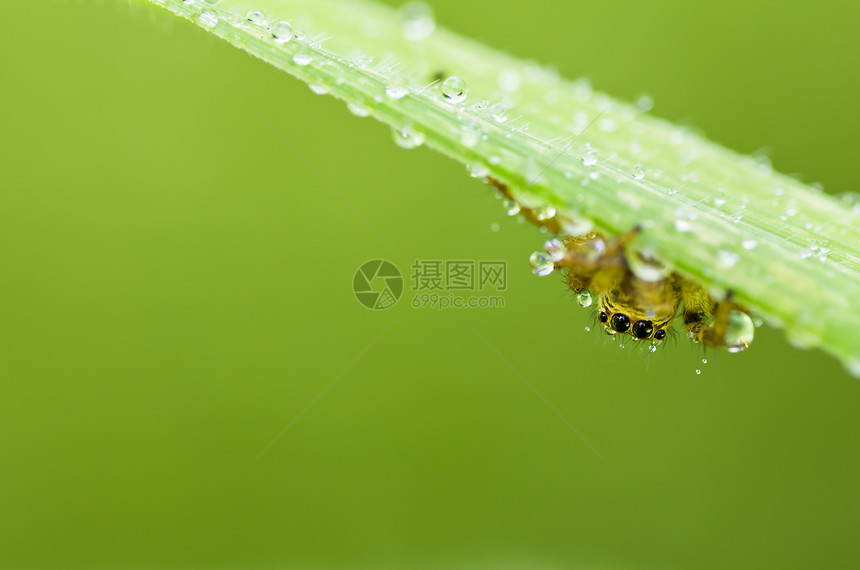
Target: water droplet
[638,172]
[587,329]
[644,103]
[396,88]
[407,138]
[454,89]
[683,225]
[494,227]
[652,348]
[589,159]
[478,170]
[541,263]
[555,249]
[299,34]
[726,259]
[740,332]
[511,207]
[418,21]
[704,361]
[698,371]
[208,19]
[358,110]
[318,89]
[258,18]
[584,299]
[545,213]
[282,32]
[302,59]
[748,244]
[499,112]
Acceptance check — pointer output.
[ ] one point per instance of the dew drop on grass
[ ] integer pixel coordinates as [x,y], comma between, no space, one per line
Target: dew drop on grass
[589,160]
[302,59]
[396,88]
[418,21]
[541,263]
[407,138]
[319,89]
[454,89]
[545,213]
[726,259]
[208,19]
[638,172]
[478,170]
[358,110]
[257,17]
[282,32]
[499,112]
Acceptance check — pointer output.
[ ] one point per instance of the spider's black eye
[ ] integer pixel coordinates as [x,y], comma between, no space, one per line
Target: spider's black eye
[660,335]
[642,329]
[601,316]
[620,323]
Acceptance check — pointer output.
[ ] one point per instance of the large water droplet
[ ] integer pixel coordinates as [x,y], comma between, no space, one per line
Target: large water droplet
[418,21]
[740,332]
[584,299]
[454,89]
[555,249]
[541,263]
[282,32]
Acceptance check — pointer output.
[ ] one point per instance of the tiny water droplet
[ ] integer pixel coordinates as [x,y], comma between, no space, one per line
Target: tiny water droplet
[541,263]
[407,138]
[683,225]
[358,110]
[545,213]
[584,299]
[652,348]
[282,32]
[318,89]
[499,112]
[396,88]
[554,248]
[589,160]
[302,59]
[258,18]
[726,259]
[208,19]
[587,329]
[511,207]
[698,371]
[638,172]
[454,89]
[494,227]
[748,244]
[644,103]
[478,170]
[418,21]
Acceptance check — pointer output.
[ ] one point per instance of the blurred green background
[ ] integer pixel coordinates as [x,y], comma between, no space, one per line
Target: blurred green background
[175,290]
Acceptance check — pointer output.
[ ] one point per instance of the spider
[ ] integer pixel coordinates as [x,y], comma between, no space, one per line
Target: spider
[643,305]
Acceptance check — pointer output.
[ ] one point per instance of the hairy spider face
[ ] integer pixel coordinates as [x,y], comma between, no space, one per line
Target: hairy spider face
[644,323]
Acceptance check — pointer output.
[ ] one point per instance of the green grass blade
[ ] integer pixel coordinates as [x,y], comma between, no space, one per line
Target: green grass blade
[788,252]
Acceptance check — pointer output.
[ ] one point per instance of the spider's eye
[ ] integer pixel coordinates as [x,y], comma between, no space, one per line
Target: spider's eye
[620,323]
[660,335]
[642,329]
[601,316]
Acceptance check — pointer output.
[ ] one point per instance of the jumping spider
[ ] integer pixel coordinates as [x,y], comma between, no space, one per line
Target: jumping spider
[643,304]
